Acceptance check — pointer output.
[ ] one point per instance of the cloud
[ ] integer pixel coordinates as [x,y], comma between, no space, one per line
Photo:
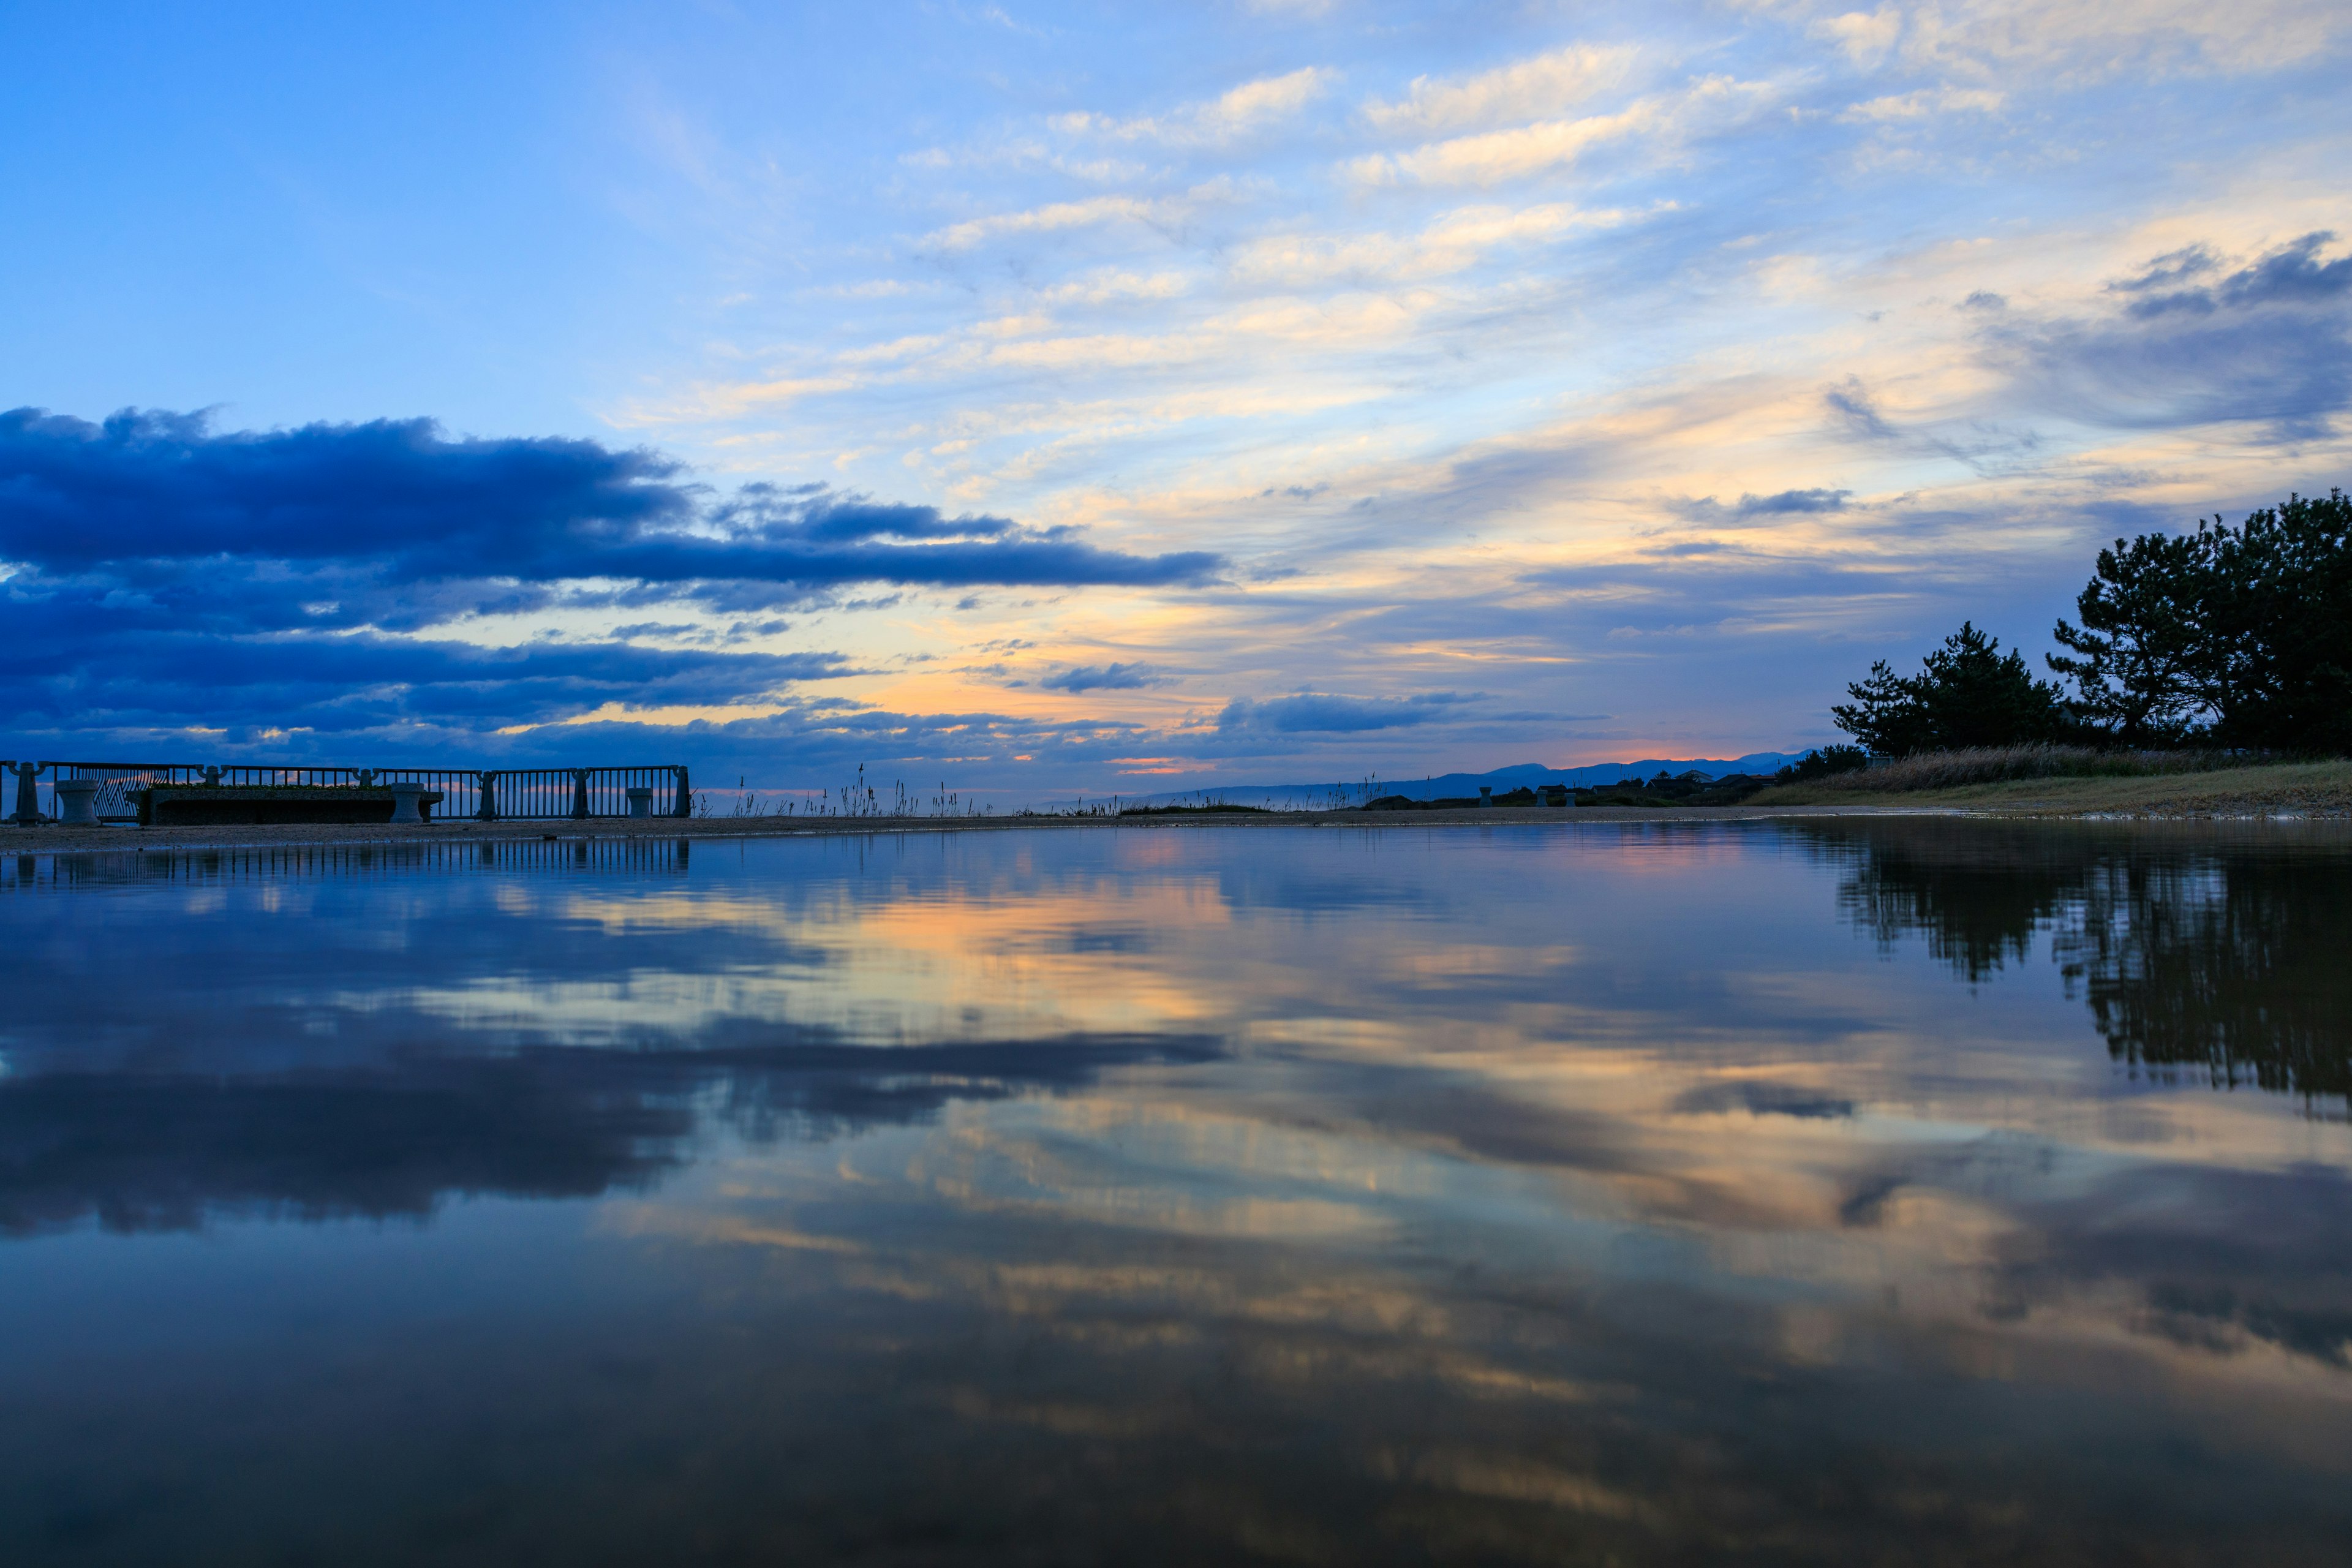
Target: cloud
[1103,678]
[168,575]
[2269,343]
[1544,86]
[1246,109]
[1927,102]
[1450,242]
[1309,712]
[158,505]
[1750,507]
[2003,39]
[1792,501]
[1055,215]
[1866,36]
[1706,105]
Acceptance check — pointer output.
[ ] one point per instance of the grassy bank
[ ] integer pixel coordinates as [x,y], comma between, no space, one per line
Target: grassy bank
[2217,790]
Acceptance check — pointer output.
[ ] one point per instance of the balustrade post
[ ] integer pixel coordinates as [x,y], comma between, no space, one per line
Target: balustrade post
[579,793]
[488,810]
[28,795]
[685,796]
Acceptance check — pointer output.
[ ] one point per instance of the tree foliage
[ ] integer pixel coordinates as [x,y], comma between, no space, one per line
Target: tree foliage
[2134,658]
[2275,664]
[1967,693]
[2237,637]
[2233,636]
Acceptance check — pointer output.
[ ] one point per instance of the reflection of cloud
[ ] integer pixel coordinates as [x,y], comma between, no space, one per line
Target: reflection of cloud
[1557,1189]
[163,1153]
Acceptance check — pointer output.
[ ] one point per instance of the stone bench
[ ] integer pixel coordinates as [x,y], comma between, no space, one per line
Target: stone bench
[214,805]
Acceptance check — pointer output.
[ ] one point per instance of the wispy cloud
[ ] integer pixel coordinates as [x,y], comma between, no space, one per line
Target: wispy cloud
[1246,109]
[1046,219]
[1541,88]
[1660,122]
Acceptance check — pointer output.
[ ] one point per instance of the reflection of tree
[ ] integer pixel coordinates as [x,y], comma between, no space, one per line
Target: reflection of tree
[1978,893]
[2227,954]
[2236,965]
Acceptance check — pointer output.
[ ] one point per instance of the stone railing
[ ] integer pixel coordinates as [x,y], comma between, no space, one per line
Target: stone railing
[110,792]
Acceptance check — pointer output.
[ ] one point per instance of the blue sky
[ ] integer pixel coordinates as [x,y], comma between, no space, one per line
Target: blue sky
[1062,396]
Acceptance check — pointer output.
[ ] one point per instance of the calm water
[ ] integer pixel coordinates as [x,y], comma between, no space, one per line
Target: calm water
[1902,1191]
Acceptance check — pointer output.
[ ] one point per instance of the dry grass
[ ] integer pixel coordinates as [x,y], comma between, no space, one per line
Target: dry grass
[1994,765]
[2324,787]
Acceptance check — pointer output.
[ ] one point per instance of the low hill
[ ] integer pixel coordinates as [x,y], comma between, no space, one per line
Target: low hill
[1440,787]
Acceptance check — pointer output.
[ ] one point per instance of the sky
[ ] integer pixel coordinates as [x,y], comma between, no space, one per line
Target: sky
[1075,398]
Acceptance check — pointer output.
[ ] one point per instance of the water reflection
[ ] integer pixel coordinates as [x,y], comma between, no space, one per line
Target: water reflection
[162,1151]
[1421,1194]
[2219,953]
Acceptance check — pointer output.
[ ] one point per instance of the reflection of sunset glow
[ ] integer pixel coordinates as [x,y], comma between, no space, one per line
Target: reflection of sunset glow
[1509,1168]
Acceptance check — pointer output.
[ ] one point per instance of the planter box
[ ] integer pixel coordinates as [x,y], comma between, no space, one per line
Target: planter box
[214,805]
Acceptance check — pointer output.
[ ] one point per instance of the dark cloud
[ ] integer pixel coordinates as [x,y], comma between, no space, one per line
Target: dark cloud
[66,675]
[1781,503]
[414,507]
[1789,501]
[2293,275]
[1312,711]
[2269,344]
[170,575]
[2168,269]
[1103,678]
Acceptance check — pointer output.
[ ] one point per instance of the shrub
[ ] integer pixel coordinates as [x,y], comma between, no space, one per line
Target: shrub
[1825,763]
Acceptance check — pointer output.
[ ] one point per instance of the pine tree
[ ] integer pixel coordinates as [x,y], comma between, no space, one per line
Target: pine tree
[2135,656]
[1967,693]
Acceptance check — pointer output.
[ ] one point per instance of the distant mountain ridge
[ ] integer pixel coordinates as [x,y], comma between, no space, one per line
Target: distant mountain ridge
[1455,785]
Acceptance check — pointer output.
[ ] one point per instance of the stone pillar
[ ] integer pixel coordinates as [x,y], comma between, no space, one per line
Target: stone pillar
[1485,794]
[685,797]
[641,800]
[403,801]
[488,810]
[579,793]
[73,800]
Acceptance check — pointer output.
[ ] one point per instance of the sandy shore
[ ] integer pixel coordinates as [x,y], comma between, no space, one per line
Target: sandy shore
[54,839]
